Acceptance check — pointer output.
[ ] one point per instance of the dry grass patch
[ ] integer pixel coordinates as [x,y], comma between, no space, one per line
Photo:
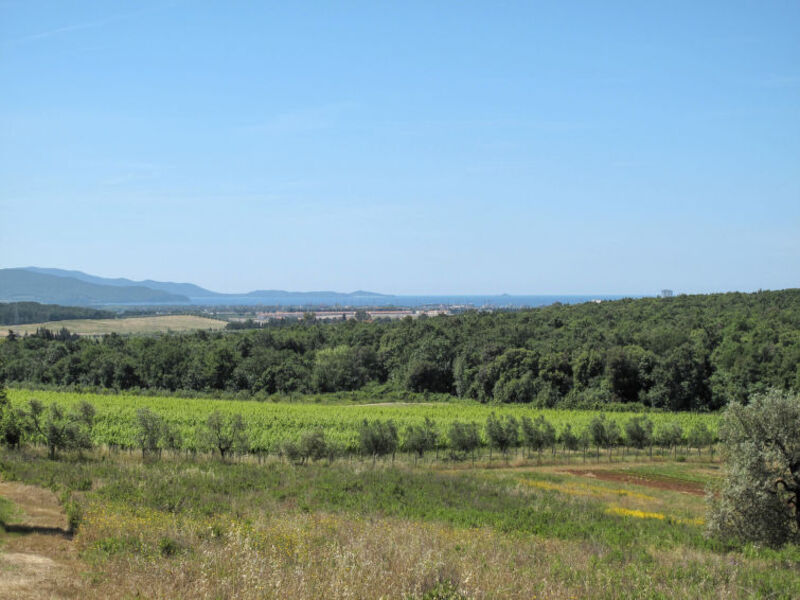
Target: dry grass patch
[163,323]
[324,555]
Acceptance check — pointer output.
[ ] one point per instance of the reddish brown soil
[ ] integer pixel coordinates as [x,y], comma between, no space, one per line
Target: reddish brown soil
[661,482]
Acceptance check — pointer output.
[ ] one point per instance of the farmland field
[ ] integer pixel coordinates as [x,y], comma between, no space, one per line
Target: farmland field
[202,528]
[191,525]
[269,423]
[129,325]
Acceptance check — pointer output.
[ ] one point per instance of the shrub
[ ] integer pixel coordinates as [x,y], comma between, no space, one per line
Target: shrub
[312,445]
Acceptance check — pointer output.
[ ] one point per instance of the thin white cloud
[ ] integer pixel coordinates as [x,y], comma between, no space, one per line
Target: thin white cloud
[42,35]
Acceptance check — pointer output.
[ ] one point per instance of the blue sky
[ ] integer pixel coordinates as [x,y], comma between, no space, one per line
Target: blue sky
[405,147]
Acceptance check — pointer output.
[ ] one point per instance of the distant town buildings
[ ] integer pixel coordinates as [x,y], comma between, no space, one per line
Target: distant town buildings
[341,315]
[666,293]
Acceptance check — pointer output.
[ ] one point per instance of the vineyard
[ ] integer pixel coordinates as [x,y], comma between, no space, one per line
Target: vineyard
[271,423]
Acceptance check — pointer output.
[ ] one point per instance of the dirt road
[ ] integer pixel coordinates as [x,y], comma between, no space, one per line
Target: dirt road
[37,557]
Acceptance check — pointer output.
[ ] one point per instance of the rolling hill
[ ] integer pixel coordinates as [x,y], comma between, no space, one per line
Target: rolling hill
[21,285]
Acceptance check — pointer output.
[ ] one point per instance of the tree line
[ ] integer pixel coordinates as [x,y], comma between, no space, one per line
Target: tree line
[62,429]
[682,353]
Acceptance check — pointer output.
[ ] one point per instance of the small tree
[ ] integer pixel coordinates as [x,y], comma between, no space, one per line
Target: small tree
[149,431]
[598,431]
[502,434]
[759,499]
[62,430]
[548,433]
[699,437]
[585,440]
[639,432]
[378,438]
[538,434]
[530,435]
[225,433]
[569,440]
[464,439]
[154,434]
[421,438]
[670,436]
[171,438]
[614,433]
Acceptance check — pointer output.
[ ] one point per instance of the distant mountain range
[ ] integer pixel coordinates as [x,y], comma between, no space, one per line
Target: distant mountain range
[76,288]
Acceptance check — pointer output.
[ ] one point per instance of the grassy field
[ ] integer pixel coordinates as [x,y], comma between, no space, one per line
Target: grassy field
[122,326]
[189,525]
[206,529]
[269,423]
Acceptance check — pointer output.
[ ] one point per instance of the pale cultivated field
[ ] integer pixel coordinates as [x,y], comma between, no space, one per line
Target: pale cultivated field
[122,326]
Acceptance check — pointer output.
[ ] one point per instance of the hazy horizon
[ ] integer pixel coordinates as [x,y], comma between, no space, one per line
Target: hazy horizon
[408,149]
[400,294]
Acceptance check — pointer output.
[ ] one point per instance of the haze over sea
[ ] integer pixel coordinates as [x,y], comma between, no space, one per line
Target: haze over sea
[477,301]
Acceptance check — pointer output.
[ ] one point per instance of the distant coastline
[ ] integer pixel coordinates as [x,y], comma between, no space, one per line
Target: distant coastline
[412,301]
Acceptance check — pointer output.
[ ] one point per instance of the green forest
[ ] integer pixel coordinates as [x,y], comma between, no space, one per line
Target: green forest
[19,313]
[683,353]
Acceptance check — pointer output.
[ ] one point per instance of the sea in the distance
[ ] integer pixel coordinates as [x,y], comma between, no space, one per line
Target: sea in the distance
[476,301]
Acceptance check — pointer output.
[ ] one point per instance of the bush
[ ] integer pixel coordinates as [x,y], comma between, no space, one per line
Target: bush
[312,445]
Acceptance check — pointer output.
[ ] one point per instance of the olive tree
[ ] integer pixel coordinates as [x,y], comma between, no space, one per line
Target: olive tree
[759,498]
[154,434]
[700,437]
[670,436]
[502,434]
[464,439]
[569,440]
[61,429]
[378,438]
[639,432]
[538,434]
[421,438]
[604,433]
[225,433]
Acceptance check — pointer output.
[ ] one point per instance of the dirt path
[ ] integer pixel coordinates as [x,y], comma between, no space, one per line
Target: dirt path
[658,482]
[37,557]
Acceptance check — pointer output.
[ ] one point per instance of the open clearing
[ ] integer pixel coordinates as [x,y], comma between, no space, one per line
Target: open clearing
[163,323]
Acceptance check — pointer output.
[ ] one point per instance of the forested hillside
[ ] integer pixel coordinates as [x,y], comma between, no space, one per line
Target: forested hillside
[19,313]
[683,353]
